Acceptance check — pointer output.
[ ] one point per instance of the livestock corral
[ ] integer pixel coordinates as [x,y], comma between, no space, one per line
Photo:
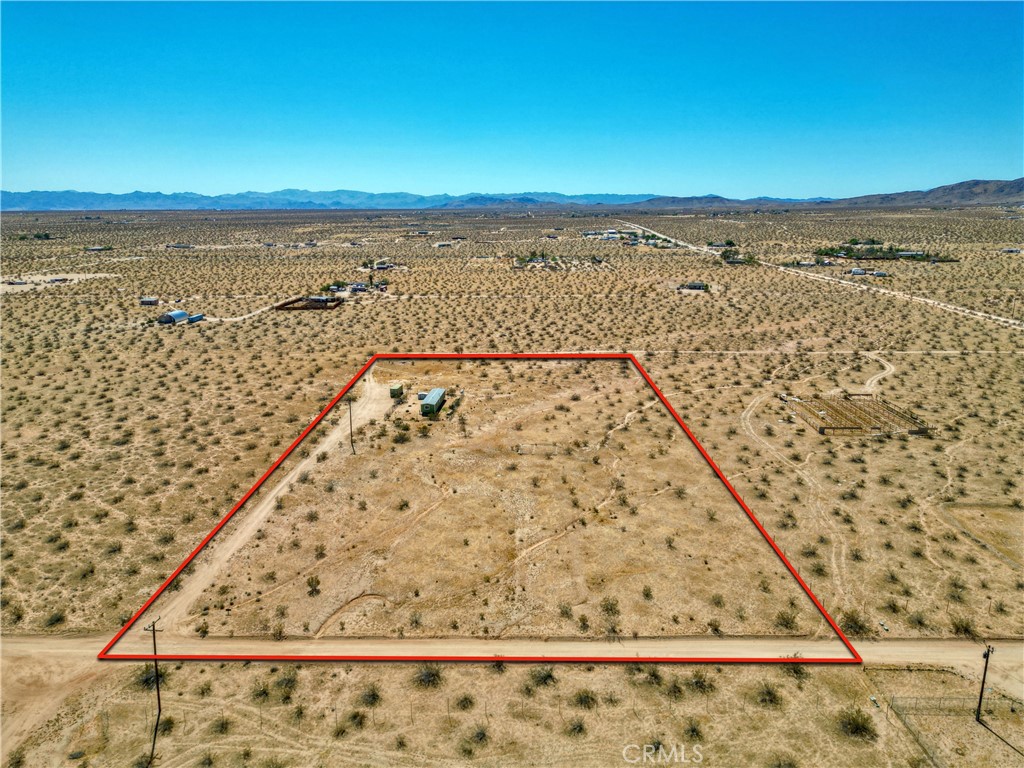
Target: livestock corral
[537,502]
[855,415]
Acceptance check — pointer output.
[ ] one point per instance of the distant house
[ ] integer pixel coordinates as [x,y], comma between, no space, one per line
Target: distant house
[909,254]
[1010,250]
[718,245]
[879,273]
[149,301]
[696,285]
[806,264]
[857,271]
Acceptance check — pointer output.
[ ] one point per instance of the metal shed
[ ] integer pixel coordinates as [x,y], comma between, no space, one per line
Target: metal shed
[433,402]
[173,317]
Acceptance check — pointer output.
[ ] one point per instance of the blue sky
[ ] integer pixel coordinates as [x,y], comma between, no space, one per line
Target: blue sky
[789,100]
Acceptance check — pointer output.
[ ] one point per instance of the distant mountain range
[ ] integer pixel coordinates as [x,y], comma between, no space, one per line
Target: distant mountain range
[977,192]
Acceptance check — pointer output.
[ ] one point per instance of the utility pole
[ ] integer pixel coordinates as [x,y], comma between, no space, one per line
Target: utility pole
[156,676]
[989,650]
[351,435]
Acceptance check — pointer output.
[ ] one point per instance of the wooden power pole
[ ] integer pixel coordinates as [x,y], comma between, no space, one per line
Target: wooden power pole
[351,434]
[989,650]
[156,676]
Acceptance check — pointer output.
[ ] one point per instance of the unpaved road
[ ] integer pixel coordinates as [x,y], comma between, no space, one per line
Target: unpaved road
[1006,321]
[173,607]
[40,673]
[240,317]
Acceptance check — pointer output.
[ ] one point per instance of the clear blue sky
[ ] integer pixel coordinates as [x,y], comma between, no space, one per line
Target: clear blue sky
[737,99]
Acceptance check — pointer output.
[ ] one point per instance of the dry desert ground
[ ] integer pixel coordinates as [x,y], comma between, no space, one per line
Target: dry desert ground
[550,504]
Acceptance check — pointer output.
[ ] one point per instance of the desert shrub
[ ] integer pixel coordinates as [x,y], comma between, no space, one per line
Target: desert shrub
[584,699]
[576,727]
[797,671]
[699,682]
[543,676]
[610,607]
[428,676]
[854,721]
[786,620]
[370,697]
[768,695]
[260,691]
[852,623]
[145,677]
[313,582]
[962,626]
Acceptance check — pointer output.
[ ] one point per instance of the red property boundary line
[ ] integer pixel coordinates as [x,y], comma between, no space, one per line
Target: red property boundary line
[106,655]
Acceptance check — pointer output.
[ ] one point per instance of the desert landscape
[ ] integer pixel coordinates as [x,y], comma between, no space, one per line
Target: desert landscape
[548,502]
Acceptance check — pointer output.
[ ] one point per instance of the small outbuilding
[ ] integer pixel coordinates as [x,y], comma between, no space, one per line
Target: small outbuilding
[397,390]
[432,404]
[196,318]
[148,301]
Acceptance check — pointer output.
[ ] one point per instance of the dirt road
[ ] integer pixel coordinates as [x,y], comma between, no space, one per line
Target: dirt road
[40,672]
[241,317]
[173,607]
